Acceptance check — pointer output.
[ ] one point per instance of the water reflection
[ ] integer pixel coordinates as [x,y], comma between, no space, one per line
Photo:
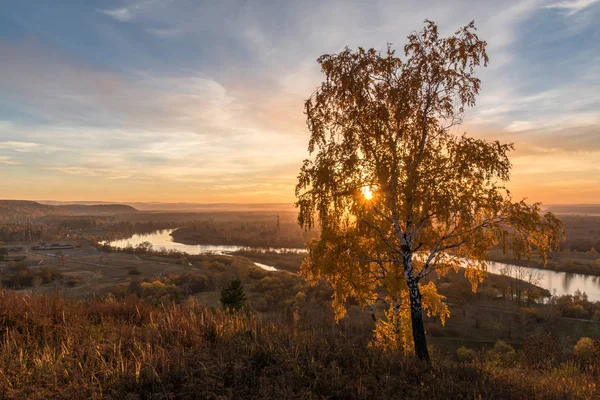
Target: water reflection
[163,239]
[562,282]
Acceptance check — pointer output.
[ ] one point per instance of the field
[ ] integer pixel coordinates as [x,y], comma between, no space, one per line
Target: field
[97,272]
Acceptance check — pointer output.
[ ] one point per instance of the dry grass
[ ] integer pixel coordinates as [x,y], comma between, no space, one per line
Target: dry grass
[57,348]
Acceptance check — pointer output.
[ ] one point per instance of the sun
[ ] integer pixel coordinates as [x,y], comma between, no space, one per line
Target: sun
[367,192]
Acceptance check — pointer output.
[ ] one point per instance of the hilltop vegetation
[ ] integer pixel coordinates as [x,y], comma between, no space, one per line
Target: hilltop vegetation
[97,209]
[575,209]
[23,210]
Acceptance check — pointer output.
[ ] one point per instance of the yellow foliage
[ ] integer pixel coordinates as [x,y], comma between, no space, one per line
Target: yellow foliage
[394,332]
[435,200]
[433,302]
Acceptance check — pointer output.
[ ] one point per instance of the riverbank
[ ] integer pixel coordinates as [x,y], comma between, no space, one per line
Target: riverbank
[286,261]
[559,282]
[585,263]
[241,236]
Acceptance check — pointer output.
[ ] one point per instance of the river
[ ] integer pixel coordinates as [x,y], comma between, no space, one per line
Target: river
[163,240]
[561,282]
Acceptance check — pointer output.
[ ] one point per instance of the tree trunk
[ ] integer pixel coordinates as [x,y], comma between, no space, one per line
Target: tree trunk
[416,316]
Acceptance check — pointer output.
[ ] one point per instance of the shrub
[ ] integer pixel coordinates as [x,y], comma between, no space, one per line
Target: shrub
[198,283]
[466,355]
[22,277]
[191,283]
[501,347]
[575,311]
[583,351]
[531,315]
[158,292]
[502,354]
[256,273]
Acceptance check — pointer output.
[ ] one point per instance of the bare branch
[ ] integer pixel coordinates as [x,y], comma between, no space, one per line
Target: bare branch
[381,235]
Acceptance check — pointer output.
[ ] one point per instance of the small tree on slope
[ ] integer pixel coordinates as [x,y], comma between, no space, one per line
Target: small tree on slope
[397,194]
[233,297]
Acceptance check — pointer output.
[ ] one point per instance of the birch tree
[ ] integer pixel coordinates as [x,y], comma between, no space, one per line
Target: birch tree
[396,193]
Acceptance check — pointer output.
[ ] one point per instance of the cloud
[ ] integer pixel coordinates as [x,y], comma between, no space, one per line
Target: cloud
[93,172]
[46,86]
[183,128]
[218,112]
[135,9]
[572,7]
[7,160]
[120,14]
[22,147]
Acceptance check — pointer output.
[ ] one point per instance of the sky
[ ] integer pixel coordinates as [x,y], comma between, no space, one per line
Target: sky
[202,101]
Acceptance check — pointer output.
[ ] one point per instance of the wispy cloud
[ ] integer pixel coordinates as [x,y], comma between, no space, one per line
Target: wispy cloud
[573,6]
[216,113]
[93,172]
[122,14]
[8,160]
[132,9]
[22,147]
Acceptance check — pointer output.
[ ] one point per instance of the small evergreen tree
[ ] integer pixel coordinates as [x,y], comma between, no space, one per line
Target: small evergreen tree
[233,297]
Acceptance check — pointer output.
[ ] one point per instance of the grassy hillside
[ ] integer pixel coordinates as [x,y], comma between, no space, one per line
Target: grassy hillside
[61,349]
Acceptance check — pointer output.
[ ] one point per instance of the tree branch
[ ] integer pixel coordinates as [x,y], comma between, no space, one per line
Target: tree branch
[381,234]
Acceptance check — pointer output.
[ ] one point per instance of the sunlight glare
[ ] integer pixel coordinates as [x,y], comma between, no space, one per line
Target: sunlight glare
[367,192]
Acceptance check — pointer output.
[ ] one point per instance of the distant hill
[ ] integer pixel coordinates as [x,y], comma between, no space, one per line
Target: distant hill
[187,207]
[22,210]
[581,209]
[97,209]
[214,207]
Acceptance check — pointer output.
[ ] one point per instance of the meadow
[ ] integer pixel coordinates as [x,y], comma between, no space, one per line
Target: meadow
[101,348]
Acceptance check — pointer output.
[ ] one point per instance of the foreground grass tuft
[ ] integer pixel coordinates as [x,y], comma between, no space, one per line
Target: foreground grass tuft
[65,349]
